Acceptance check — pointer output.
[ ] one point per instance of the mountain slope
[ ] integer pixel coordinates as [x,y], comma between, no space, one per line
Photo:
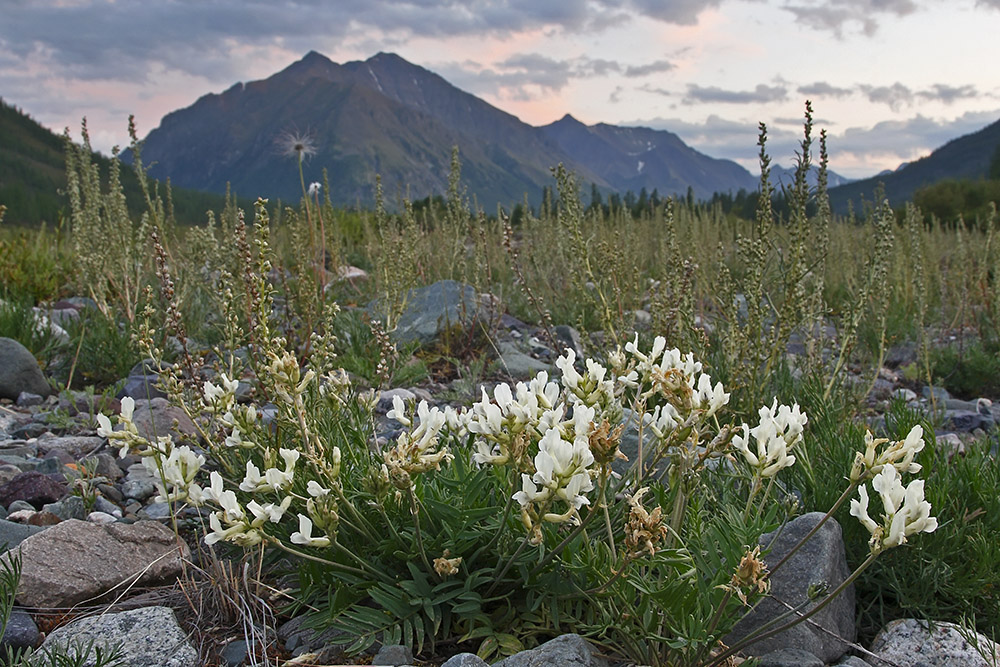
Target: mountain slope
[632,158]
[383,116]
[389,117]
[967,157]
[33,176]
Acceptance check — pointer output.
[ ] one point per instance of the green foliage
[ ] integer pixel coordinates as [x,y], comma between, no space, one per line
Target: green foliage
[19,321]
[100,351]
[33,263]
[33,176]
[968,371]
[955,201]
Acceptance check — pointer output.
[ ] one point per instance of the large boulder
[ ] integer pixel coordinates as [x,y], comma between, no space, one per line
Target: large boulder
[908,642]
[75,560]
[821,560]
[564,651]
[430,311]
[146,637]
[19,371]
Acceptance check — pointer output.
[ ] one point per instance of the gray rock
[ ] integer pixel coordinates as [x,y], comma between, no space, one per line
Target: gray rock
[26,399]
[141,387]
[567,336]
[901,354]
[851,661]
[882,389]
[517,364]
[149,637]
[393,654]
[951,443]
[968,420]
[76,560]
[908,642]
[49,466]
[465,660]
[106,466]
[905,394]
[940,394]
[629,446]
[20,506]
[155,511]
[821,560]
[102,504]
[8,472]
[434,309]
[102,517]
[156,417]
[70,507]
[299,639]
[234,653]
[564,651]
[790,657]
[21,631]
[19,371]
[77,446]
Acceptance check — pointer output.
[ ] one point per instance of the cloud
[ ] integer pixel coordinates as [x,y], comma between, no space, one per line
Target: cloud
[649,68]
[823,89]
[711,94]
[949,94]
[907,139]
[680,12]
[525,76]
[855,152]
[836,15]
[129,40]
[894,96]
[897,95]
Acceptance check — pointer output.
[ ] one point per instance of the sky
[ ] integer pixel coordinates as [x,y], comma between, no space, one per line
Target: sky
[889,80]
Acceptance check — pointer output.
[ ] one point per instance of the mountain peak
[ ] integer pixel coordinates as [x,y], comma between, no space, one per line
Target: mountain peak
[568,119]
[314,57]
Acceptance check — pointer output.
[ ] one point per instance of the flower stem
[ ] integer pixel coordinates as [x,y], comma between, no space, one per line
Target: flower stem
[836,505]
[562,545]
[719,659]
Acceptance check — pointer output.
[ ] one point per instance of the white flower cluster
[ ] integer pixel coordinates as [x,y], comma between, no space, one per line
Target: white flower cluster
[594,388]
[232,523]
[174,469]
[779,430]
[530,409]
[128,435]
[676,377]
[562,471]
[905,510]
[898,455]
[416,450]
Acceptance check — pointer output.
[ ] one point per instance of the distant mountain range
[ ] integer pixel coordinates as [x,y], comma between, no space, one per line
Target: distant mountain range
[967,157]
[385,116]
[389,117]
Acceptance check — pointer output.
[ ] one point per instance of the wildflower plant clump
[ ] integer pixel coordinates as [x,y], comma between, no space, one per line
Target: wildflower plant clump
[497,524]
